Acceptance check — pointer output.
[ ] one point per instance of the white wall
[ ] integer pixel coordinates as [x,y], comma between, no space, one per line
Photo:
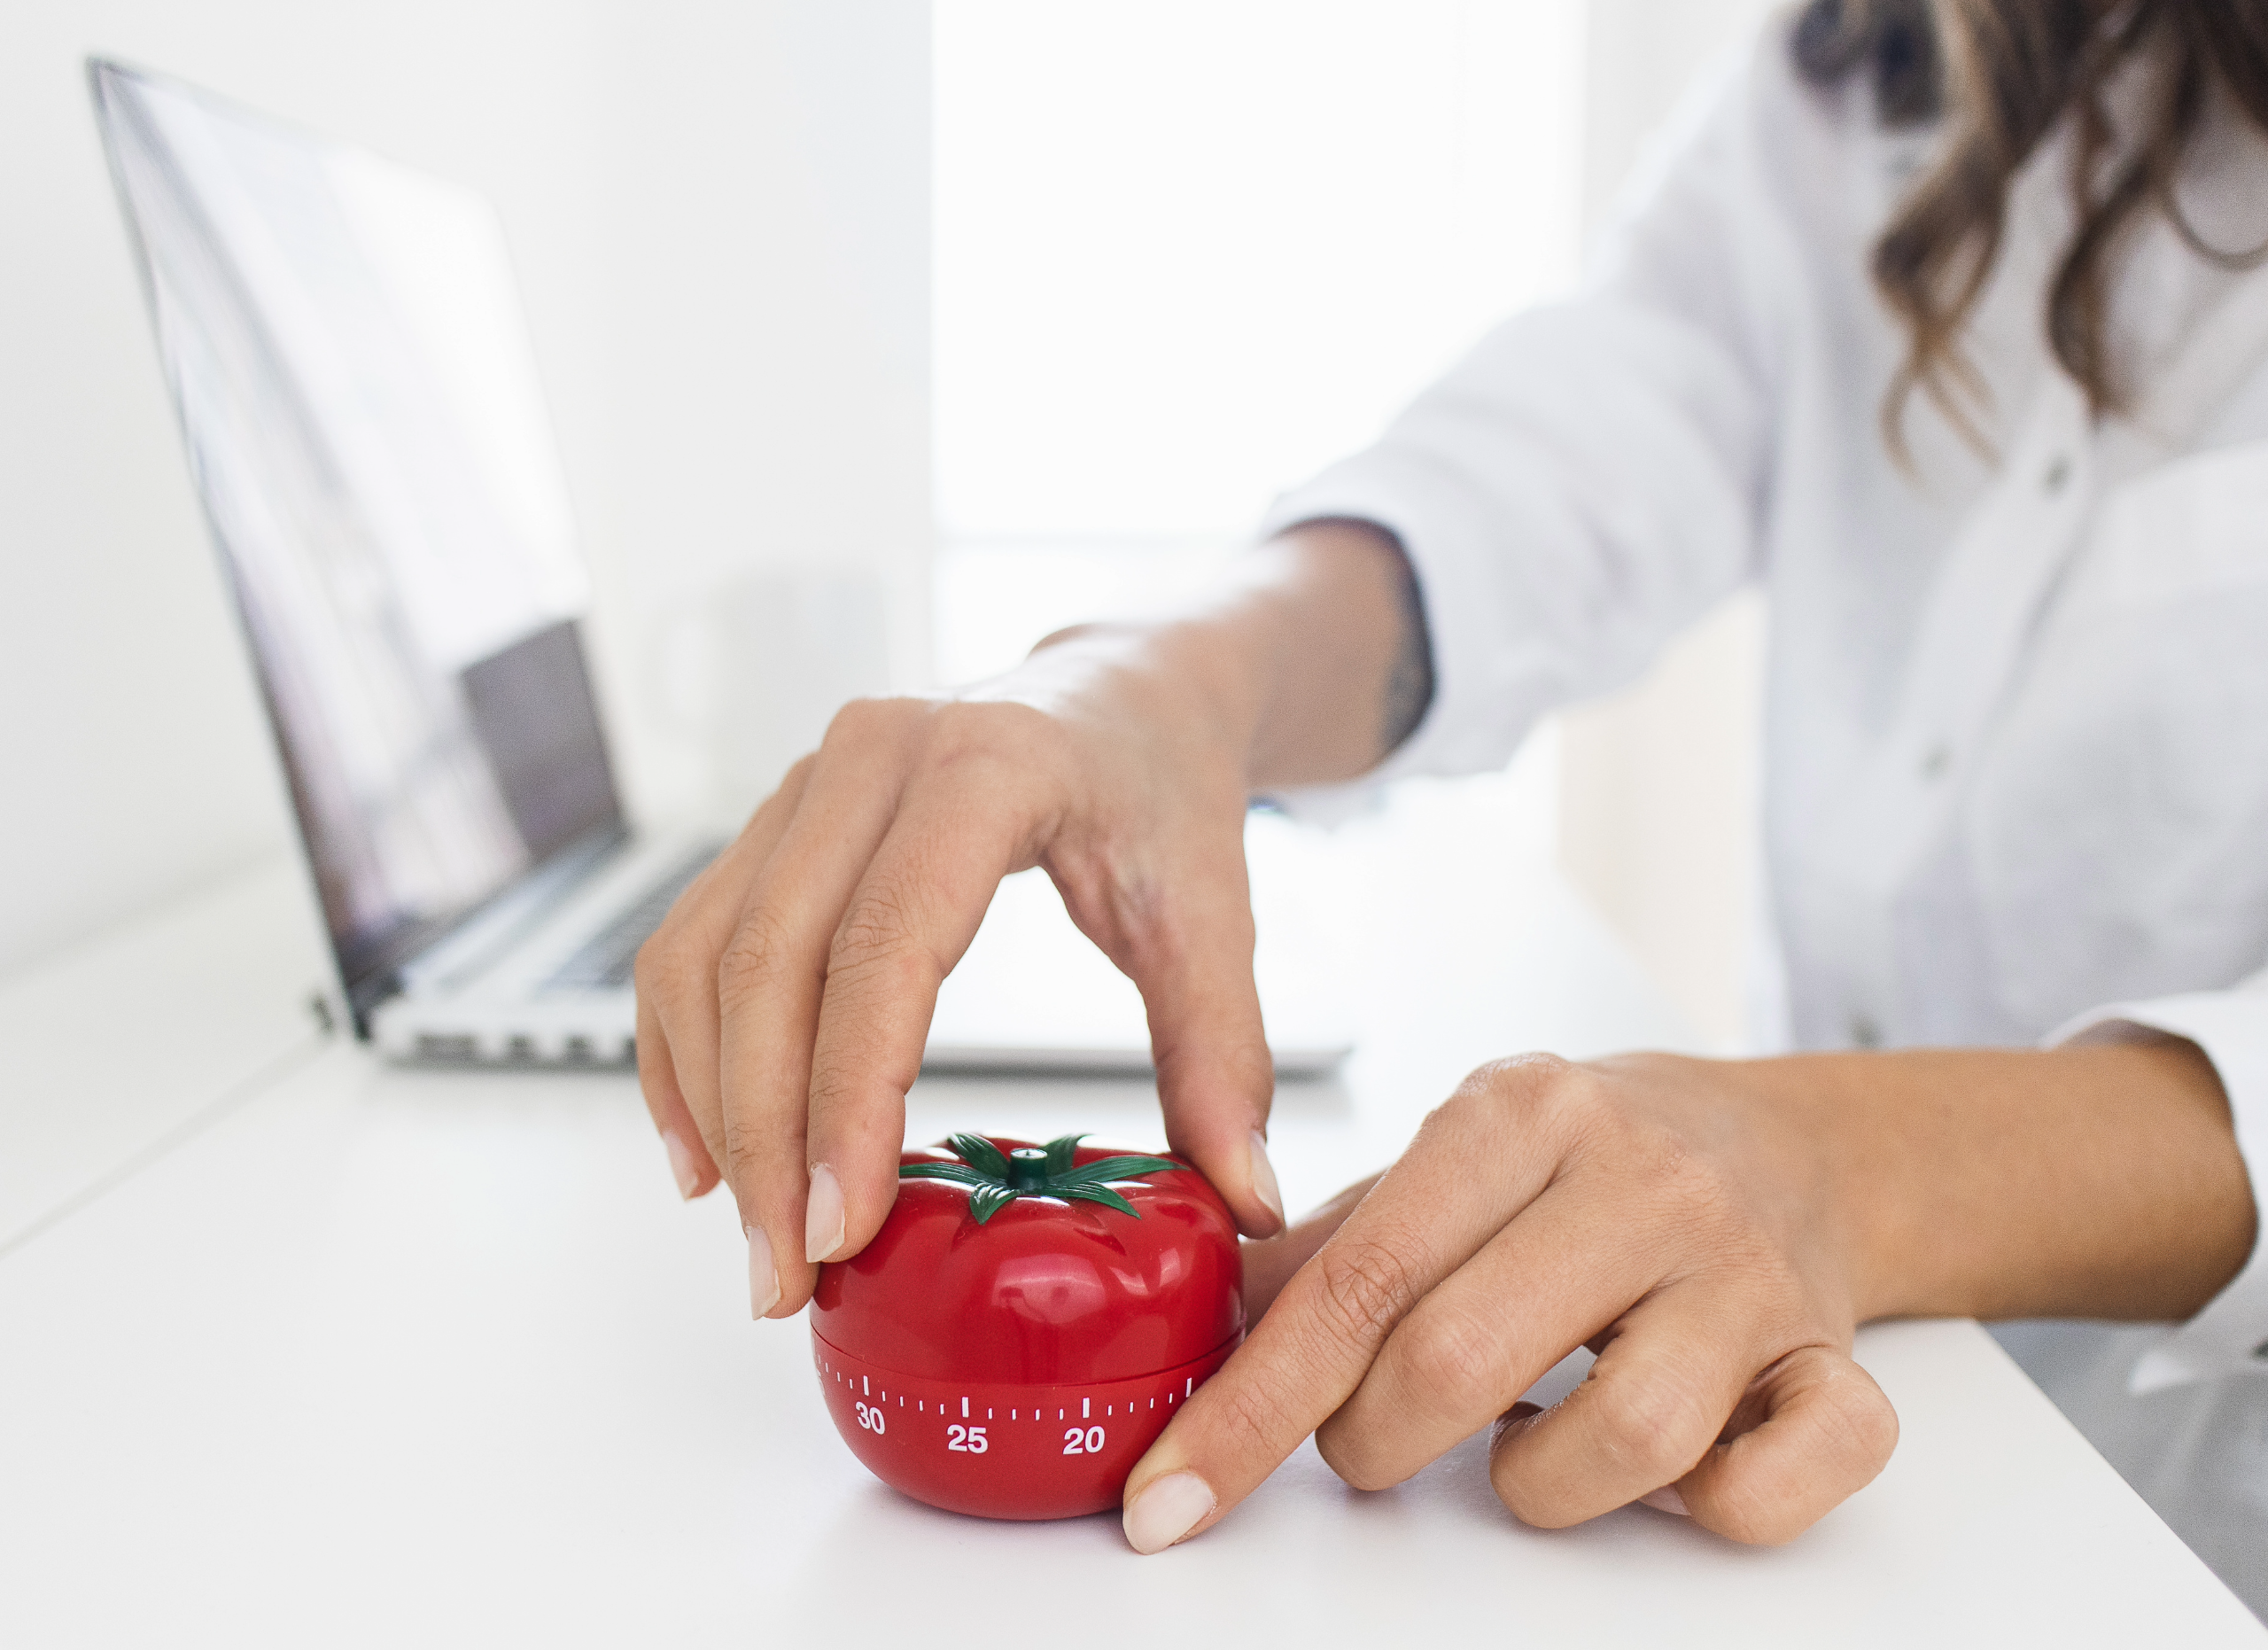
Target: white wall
[1254,230]
[720,217]
[719,213]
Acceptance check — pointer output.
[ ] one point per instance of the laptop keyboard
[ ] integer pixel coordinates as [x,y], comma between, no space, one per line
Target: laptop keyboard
[605,960]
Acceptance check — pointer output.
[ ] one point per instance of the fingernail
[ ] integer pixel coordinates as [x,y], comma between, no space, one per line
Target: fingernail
[763,1277]
[1263,1178]
[1667,1499]
[681,1164]
[823,1217]
[1166,1511]
[1510,1419]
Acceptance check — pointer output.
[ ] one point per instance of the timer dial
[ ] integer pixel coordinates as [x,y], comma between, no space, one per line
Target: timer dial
[1027,1321]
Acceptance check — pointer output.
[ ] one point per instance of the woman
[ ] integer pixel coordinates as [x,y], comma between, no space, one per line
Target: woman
[1947,334]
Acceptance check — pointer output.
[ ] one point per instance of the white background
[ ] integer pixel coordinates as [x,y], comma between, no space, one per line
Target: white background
[1188,253]
[1277,221]
[719,216]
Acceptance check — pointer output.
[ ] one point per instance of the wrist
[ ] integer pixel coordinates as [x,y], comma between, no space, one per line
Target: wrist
[1306,669]
[2101,1181]
[1339,630]
[1198,680]
[1813,1125]
[1288,668]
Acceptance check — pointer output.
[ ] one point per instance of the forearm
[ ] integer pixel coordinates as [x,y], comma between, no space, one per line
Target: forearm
[1312,662]
[2099,1182]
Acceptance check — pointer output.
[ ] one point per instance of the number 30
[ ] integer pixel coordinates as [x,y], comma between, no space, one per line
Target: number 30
[1087,1443]
[872,1420]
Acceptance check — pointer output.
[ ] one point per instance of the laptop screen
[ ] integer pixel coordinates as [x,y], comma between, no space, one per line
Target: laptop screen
[346,351]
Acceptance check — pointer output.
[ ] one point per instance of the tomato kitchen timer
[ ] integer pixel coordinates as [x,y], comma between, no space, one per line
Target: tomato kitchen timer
[1026,1322]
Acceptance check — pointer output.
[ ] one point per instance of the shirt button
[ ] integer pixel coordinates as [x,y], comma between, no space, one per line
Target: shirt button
[2059,471]
[1936,760]
[1864,1033]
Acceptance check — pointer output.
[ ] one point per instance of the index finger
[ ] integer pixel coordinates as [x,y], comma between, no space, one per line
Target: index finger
[1427,1217]
[912,917]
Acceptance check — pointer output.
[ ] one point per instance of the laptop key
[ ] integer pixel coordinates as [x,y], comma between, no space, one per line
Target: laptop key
[604,962]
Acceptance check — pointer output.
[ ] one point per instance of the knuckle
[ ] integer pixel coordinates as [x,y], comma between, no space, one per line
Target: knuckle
[1455,1364]
[861,723]
[1656,1427]
[989,758]
[1860,1422]
[1364,1288]
[994,744]
[761,953]
[1875,1428]
[1530,1098]
[1521,1090]
[879,930]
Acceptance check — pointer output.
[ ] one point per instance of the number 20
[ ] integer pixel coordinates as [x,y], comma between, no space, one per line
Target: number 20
[1087,1443]
[968,1438]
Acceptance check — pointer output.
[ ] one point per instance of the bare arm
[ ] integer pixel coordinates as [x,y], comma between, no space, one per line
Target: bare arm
[2088,1182]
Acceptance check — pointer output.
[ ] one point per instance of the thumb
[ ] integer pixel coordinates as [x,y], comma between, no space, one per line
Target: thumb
[1810,1431]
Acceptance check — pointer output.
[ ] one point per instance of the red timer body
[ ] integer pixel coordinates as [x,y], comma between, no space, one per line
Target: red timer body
[1026,1322]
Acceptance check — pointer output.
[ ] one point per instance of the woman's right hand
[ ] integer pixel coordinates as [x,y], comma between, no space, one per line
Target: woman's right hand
[784,1003]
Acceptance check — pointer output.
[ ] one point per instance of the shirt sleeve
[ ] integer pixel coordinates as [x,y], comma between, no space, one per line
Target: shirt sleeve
[1589,479]
[2231,1332]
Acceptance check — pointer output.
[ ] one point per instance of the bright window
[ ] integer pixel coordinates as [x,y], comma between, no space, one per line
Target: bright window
[1189,251]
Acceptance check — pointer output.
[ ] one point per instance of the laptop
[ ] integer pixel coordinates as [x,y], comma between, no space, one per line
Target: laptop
[355,386]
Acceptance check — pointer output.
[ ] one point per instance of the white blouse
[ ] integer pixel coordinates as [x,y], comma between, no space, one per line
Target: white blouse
[2017,740]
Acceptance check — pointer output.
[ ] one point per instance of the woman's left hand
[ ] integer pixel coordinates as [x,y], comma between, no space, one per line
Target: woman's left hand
[1626,1204]
[1713,1230]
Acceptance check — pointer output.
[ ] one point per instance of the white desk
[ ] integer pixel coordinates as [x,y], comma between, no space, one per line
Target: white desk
[381,1357]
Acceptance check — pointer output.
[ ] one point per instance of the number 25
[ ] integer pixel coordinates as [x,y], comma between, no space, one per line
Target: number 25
[970,1439]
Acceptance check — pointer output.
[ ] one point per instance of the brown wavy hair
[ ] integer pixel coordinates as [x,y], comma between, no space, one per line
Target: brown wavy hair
[2003,74]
